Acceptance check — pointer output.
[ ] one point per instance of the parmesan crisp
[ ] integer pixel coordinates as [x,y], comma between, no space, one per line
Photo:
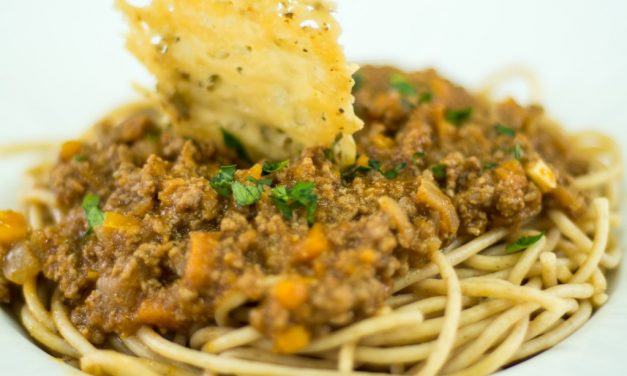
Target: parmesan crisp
[272,73]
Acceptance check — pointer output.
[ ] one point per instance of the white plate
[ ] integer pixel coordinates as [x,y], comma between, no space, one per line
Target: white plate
[63,65]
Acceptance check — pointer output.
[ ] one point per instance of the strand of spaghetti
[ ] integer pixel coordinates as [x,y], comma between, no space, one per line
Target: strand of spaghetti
[571,230]
[248,353]
[66,329]
[557,335]
[220,364]
[346,358]
[41,196]
[44,336]
[548,260]
[433,304]
[545,320]
[489,337]
[499,357]
[206,334]
[612,258]
[452,313]
[430,328]
[599,245]
[116,344]
[492,263]
[227,304]
[418,352]
[36,307]
[236,338]
[499,289]
[598,281]
[139,349]
[598,178]
[113,363]
[526,261]
[364,328]
[27,147]
[454,257]
[400,300]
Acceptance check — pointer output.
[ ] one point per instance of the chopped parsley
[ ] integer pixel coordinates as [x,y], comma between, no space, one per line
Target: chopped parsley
[80,158]
[518,151]
[359,81]
[425,97]
[95,217]
[231,142]
[389,174]
[490,165]
[223,181]
[260,182]
[350,173]
[439,171]
[272,167]
[523,243]
[458,117]
[246,194]
[400,84]
[504,130]
[417,156]
[302,195]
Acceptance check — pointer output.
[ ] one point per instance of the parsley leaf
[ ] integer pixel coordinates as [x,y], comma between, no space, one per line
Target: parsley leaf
[400,84]
[457,117]
[359,81]
[518,151]
[223,181]
[523,243]
[439,171]
[490,165]
[246,194]
[303,193]
[417,156]
[425,97]
[80,158]
[260,182]
[231,142]
[389,174]
[271,167]
[505,131]
[350,173]
[281,200]
[95,217]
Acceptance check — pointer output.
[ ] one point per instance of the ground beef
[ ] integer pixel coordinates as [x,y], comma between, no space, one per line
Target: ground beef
[449,174]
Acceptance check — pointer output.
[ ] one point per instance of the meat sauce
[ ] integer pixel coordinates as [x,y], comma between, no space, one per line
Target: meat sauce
[435,163]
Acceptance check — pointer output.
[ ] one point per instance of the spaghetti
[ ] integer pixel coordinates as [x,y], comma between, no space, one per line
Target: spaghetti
[471,309]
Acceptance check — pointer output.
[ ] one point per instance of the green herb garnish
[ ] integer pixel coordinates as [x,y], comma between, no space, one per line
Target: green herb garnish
[272,167]
[246,194]
[359,81]
[457,117]
[518,151]
[231,142]
[350,173]
[400,84]
[417,156]
[223,181]
[505,131]
[80,158]
[523,243]
[389,174]
[490,165]
[95,217]
[425,97]
[439,171]
[302,194]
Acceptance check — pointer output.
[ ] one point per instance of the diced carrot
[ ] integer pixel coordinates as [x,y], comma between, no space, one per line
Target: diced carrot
[314,244]
[153,312]
[13,227]
[120,222]
[362,161]
[367,256]
[381,141]
[199,257]
[69,149]
[291,340]
[291,293]
[255,171]
[505,169]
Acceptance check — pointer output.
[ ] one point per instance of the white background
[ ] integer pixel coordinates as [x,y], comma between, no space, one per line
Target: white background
[62,65]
